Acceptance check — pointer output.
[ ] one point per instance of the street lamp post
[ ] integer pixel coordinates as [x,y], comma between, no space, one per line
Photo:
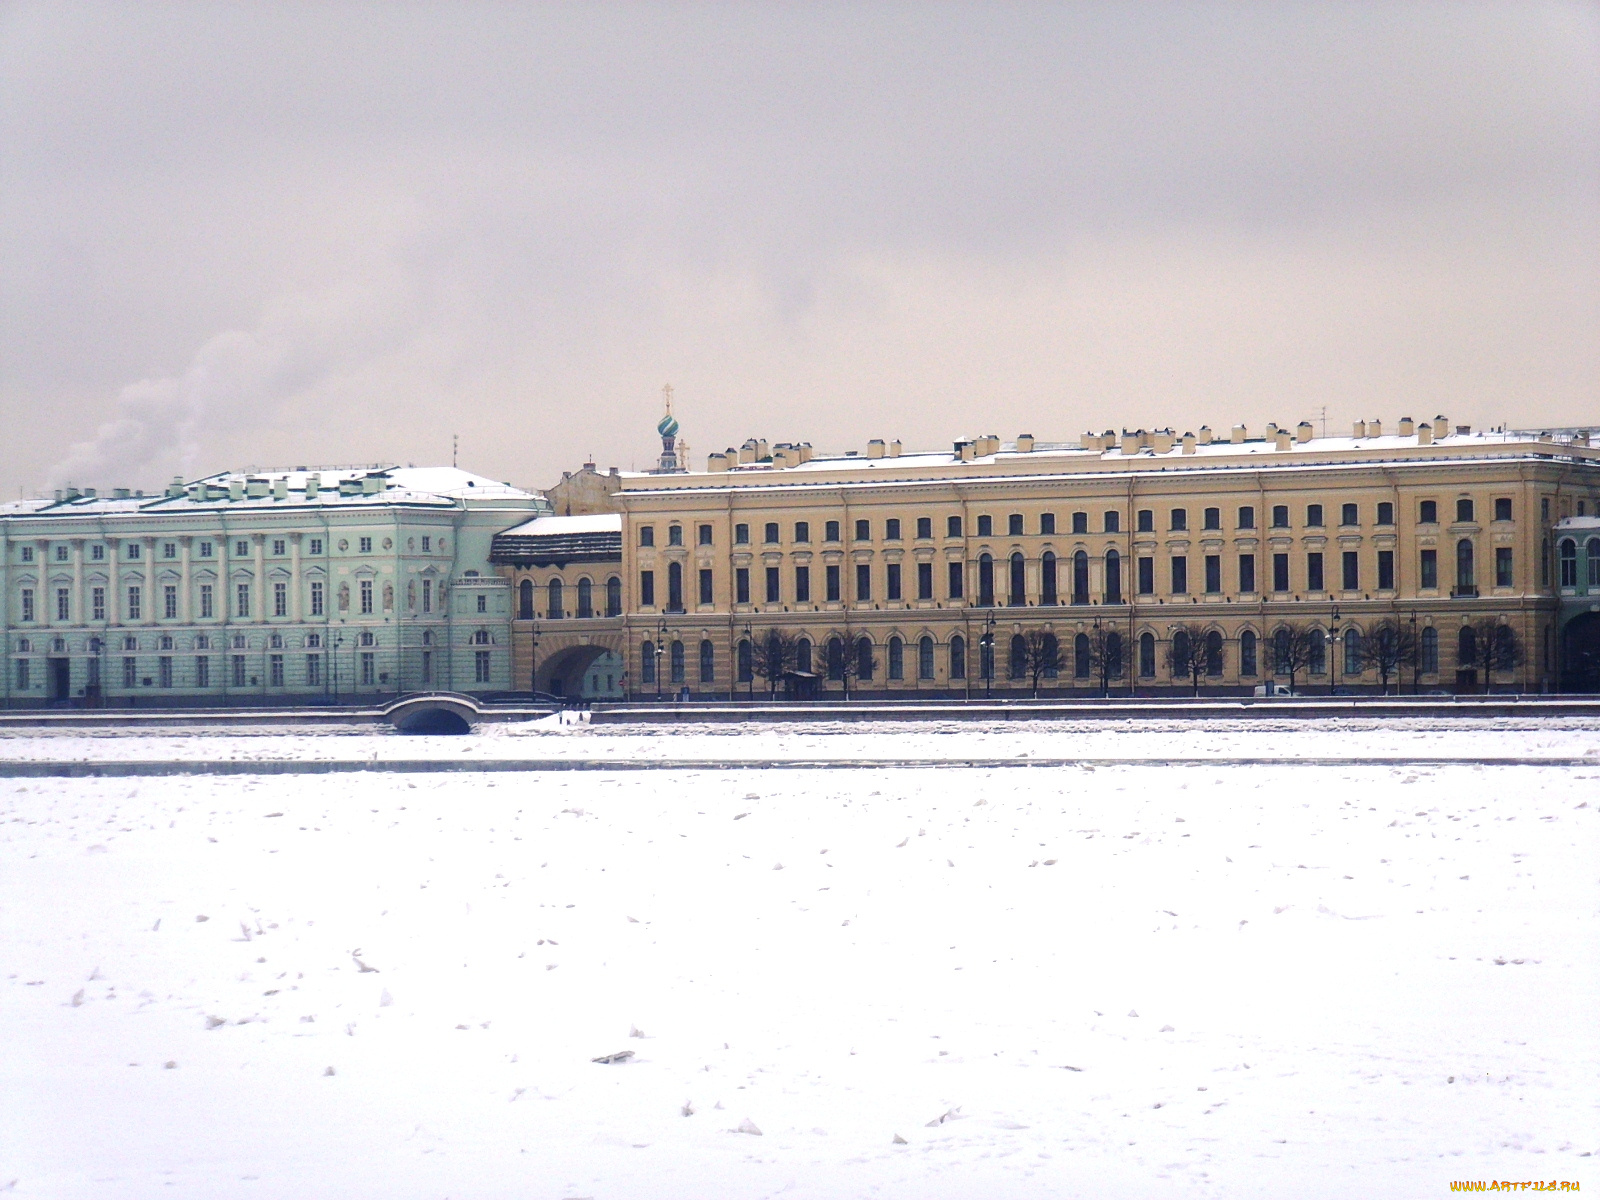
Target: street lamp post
[987,642]
[661,649]
[1416,656]
[750,684]
[1333,649]
[533,645]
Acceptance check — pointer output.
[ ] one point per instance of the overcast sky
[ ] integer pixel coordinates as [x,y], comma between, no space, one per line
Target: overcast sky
[276,234]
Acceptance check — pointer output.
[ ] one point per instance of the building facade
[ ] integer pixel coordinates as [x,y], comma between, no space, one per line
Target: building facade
[289,586]
[895,574]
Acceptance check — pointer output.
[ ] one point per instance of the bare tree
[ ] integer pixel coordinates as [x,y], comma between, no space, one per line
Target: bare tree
[1495,647]
[1389,646]
[1041,655]
[1106,651]
[1186,653]
[1293,646]
[850,660]
[773,657]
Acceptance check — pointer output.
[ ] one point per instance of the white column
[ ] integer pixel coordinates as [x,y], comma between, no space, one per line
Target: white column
[47,587]
[294,577]
[80,606]
[113,582]
[185,584]
[148,553]
[258,609]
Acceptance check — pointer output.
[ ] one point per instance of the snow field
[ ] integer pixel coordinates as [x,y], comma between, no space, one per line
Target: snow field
[1376,980]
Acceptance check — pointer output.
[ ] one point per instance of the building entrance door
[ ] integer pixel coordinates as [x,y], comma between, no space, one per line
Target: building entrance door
[60,678]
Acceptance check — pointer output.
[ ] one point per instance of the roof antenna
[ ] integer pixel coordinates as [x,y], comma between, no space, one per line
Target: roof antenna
[455,444]
[1324,420]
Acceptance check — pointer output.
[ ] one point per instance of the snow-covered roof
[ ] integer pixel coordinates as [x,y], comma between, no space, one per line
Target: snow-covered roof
[547,526]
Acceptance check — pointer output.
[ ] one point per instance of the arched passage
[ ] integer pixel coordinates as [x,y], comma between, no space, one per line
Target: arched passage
[1580,654]
[562,672]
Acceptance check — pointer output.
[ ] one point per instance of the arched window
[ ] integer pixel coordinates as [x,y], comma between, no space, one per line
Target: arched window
[1318,664]
[613,597]
[1464,572]
[1080,577]
[1050,649]
[675,659]
[1214,653]
[1047,579]
[1019,580]
[897,658]
[1113,663]
[708,661]
[1019,657]
[1180,652]
[802,656]
[747,668]
[1281,652]
[1147,655]
[1081,656]
[675,587]
[925,658]
[1505,648]
[985,581]
[647,661]
[1591,551]
[986,657]
[1568,549]
[553,609]
[865,663]
[1247,653]
[585,598]
[835,658]
[1467,647]
[1355,652]
[1113,577]
[525,600]
[1430,651]
[958,657]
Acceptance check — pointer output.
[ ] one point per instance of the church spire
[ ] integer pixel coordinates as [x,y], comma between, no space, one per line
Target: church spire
[667,427]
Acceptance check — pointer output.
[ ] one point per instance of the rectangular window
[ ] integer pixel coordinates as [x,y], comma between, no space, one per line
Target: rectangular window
[1147,577]
[1386,570]
[427,544]
[802,585]
[925,581]
[279,547]
[1544,513]
[63,604]
[130,672]
[863,531]
[1385,513]
[1280,572]
[985,526]
[27,604]
[647,588]
[1314,572]
[1430,569]
[169,601]
[369,667]
[1247,573]
[98,553]
[832,583]
[427,597]
[705,535]
[741,535]
[1180,519]
[1247,517]
[802,531]
[771,533]
[316,545]
[314,662]
[924,527]
[952,527]
[480,666]
[314,669]
[1213,574]
[27,551]
[135,608]
[1147,520]
[863,582]
[366,596]
[1180,574]
[208,604]
[275,670]
[957,575]
[97,597]
[1428,512]
[483,605]
[61,553]
[1502,508]
[280,599]
[1351,570]
[202,671]
[1014,525]
[830,531]
[647,534]
[1502,567]
[1047,523]
[891,529]
[24,682]
[774,586]
[1080,523]
[133,549]
[1347,515]
[238,670]
[366,545]
[1113,522]
[1314,516]
[741,585]
[241,606]
[674,535]
[706,594]
[891,582]
[1280,516]
[164,671]
[1213,518]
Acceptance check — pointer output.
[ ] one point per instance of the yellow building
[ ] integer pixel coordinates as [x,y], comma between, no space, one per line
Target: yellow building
[1132,554]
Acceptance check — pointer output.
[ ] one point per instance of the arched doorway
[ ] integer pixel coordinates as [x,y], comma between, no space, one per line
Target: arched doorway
[1580,654]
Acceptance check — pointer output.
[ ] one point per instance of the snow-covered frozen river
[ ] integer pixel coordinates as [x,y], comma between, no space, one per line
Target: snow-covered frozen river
[1131,981]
